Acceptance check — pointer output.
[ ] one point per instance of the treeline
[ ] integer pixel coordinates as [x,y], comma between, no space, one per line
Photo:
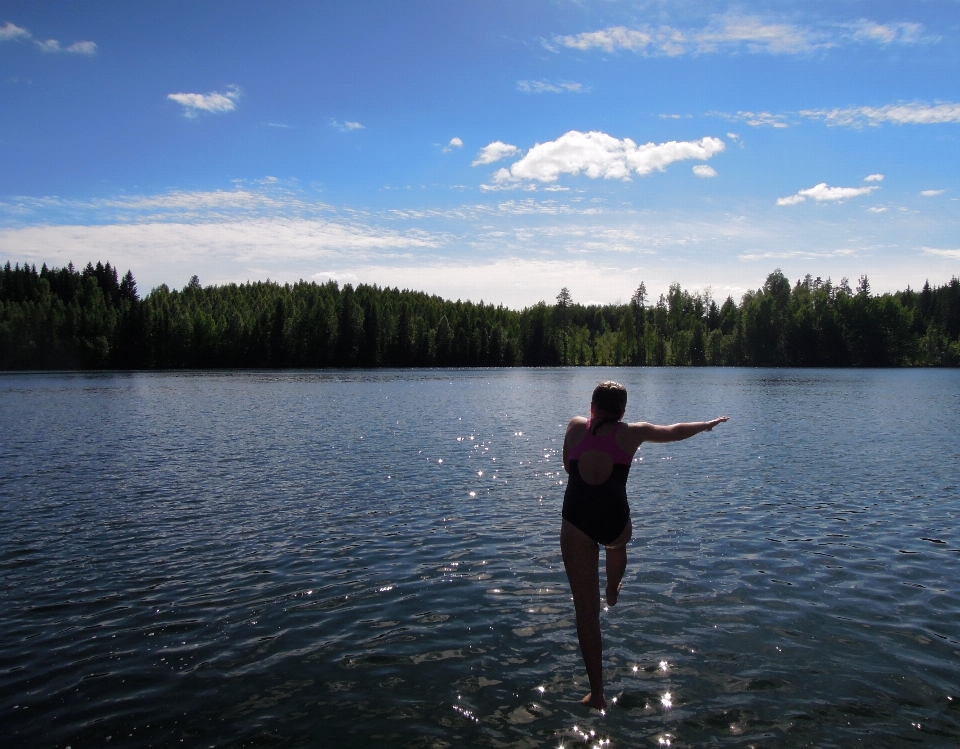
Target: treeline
[63,318]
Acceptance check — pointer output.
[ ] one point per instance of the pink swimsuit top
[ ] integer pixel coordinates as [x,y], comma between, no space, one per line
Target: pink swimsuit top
[606,443]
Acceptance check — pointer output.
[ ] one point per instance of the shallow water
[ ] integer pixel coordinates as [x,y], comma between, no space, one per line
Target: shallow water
[371,558]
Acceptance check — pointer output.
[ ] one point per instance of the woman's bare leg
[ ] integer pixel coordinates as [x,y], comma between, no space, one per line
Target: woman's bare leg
[581,558]
[617,564]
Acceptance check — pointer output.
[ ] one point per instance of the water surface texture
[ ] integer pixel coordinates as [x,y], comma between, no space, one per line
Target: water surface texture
[362,559]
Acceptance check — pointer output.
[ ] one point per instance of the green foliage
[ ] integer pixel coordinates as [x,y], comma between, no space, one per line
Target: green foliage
[91,319]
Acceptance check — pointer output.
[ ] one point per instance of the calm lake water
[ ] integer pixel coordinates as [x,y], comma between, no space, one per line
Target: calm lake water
[362,559]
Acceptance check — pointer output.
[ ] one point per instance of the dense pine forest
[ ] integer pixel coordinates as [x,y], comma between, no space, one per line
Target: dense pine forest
[64,318]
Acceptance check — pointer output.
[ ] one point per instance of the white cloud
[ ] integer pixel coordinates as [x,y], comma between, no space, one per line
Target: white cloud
[888,33]
[757,36]
[546,87]
[597,154]
[877,209]
[610,39]
[792,200]
[704,170]
[10,31]
[346,127]
[931,193]
[83,48]
[726,33]
[217,251]
[456,142]
[78,48]
[953,254]
[763,119]
[824,192]
[734,32]
[916,113]
[873,178]
[213,102]
[494,152]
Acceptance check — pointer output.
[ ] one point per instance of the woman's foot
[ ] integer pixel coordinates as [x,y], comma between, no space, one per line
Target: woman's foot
[613,594]
[597,702]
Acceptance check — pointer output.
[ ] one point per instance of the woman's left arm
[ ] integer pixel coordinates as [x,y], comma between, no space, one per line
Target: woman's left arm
[674,432]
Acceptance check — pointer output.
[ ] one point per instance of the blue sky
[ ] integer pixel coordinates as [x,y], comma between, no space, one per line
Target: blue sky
[493,151]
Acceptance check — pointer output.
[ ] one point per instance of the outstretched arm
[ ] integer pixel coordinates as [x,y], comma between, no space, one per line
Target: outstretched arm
[674,432]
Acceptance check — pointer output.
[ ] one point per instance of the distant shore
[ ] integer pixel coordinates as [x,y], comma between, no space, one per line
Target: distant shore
[91,319]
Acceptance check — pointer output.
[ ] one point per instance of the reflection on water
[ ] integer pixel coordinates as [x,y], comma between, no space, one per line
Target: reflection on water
[348,559]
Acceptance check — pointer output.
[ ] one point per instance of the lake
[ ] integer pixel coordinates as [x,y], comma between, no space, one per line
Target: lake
[354,559]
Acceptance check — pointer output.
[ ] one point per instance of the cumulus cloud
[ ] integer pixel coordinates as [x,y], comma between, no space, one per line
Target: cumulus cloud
[454,143]
[547,87]
[931,193]
[916,113]
[213,102]
[9,32]
[873,178]
[494,152]
[704,170]
[824,192]
[597,154]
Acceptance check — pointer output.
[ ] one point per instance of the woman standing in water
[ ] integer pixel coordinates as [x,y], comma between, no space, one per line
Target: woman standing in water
[597,453]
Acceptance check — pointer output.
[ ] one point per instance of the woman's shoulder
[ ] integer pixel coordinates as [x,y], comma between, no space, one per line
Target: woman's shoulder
[576,427]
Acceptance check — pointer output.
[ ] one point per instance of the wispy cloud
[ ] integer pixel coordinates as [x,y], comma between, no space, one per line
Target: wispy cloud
[796,254]
[704,170]
[549,87]
[756,35]
[931,193]
[916,113]
[751,33]
[755,119]
[214,103]
[953,254]
[346,127]
[10,32]
[494,152]
[597,154]
[824,193]
[889,33]
[873,178]
[77,48]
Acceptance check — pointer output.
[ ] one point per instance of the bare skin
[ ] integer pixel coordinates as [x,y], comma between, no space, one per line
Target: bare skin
[581,554]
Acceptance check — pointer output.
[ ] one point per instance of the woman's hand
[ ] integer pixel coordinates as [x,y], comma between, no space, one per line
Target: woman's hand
[713,422]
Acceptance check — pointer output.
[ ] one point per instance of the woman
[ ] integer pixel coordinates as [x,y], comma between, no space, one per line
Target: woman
[597,453]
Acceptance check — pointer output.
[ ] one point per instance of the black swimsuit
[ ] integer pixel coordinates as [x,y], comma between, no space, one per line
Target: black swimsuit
[601,511]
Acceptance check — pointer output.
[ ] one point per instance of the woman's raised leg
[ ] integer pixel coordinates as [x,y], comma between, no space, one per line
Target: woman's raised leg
[617,563]
[581,558]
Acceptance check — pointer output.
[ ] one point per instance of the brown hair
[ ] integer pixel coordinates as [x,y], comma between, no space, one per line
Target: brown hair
[611,398]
